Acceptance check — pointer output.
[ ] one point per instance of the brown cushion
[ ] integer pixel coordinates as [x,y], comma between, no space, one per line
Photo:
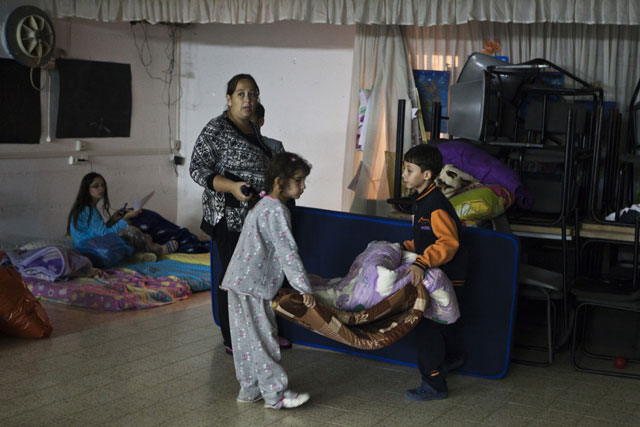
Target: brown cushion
[21,315]
[370,329]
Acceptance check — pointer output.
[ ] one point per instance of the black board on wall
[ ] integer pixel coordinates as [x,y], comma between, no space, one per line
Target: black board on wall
[94,99]
[19,103]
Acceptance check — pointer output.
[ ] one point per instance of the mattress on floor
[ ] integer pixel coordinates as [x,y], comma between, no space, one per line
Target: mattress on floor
[202,259]
[196,275]
[117,290]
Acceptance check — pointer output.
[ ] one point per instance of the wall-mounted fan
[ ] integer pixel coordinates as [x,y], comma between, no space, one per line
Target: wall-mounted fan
[27,35]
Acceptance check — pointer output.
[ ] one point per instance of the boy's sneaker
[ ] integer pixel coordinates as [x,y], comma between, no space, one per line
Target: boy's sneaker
[425,393]
[290,399]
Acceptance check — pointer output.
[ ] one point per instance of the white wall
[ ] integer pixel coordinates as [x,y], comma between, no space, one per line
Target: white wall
[36,192]
[304,74]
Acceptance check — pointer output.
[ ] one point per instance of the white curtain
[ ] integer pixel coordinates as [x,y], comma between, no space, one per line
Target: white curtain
[380,64]
[381,12]
[608,55]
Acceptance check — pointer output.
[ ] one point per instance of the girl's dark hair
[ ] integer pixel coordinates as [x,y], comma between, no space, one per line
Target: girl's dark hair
[283,165]
[231,86]
[83,199]
[427,157]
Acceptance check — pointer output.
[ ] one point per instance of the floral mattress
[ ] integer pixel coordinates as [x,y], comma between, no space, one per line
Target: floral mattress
[117,290]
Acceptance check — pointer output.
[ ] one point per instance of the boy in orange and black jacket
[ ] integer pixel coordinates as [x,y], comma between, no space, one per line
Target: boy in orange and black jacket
[436,240]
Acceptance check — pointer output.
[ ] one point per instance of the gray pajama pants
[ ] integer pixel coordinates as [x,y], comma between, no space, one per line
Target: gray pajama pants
[256,351]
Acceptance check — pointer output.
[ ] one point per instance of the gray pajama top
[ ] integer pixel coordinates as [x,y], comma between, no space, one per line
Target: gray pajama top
[266,252]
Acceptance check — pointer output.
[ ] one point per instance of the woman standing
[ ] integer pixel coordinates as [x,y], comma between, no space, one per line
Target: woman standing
[229,154]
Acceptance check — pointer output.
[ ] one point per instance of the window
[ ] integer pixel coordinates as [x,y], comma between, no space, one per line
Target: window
[94,99]
[19,103]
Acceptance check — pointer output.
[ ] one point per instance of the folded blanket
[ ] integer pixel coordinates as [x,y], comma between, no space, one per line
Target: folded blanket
[372,307]
[443,304]
[380,271]
[369,329]
[50,263]
[376,273]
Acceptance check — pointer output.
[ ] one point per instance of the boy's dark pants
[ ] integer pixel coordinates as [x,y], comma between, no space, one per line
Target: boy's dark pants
[431,343]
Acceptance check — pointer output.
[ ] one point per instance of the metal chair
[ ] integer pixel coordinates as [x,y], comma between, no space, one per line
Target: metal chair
[588,302]
[537,283]
[610,293]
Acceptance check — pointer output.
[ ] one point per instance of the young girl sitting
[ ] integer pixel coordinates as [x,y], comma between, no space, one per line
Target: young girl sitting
[85,222]
[265,254]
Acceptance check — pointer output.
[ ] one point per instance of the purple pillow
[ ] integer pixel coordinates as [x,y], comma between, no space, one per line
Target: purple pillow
[486,168]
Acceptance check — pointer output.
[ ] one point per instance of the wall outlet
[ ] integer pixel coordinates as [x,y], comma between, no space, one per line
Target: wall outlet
[74,160]
[81,145]
[178,160]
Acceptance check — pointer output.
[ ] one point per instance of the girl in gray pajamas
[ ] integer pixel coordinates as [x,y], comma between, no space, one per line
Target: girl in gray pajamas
[265,254]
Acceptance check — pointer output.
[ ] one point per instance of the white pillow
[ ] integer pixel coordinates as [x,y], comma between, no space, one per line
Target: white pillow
[452,179]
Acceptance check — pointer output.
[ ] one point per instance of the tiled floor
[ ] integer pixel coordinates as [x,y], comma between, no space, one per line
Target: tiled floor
[165,366]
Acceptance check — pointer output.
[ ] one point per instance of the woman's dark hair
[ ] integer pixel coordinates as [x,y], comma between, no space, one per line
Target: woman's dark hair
[259,111]
[283,165]
[427,157]
[83,199]
[231,86]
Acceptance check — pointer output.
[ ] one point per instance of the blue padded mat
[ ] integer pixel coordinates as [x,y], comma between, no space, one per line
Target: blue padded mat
[197,276]
[329,242]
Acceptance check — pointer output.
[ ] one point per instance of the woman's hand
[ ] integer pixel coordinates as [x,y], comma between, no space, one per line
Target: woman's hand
[308,300]
[132,214]
[417,274]
[224,185]
[236,190]
[117,216]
